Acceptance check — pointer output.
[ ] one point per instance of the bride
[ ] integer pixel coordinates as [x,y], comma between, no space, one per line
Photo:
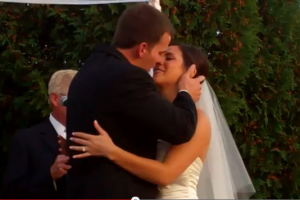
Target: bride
[209,166]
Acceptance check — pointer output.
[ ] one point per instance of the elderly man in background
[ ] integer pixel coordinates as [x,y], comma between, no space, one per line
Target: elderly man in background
[35,168]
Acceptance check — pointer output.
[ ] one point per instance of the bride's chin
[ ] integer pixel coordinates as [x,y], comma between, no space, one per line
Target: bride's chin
[158,81]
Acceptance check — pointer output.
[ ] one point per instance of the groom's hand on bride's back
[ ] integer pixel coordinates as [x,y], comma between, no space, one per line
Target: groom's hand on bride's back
[190,84]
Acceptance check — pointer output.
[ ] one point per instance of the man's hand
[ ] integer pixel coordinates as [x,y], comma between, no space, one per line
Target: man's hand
[60,167]
[190,84]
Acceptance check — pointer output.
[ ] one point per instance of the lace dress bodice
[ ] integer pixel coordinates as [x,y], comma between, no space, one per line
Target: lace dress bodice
[185,186]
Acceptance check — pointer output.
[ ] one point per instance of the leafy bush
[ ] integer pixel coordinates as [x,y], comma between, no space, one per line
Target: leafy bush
[253,47]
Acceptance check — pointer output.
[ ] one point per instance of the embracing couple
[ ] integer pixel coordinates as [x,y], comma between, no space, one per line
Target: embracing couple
[160,137]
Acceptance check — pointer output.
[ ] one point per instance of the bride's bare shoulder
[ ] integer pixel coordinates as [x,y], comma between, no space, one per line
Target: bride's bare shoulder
[203,133]
[203,124]
[202,117]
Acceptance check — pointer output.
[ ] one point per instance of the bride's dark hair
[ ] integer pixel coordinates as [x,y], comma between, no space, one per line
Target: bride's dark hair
[193,55]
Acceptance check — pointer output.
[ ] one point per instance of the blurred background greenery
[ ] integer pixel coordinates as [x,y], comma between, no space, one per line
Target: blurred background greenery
[254,51]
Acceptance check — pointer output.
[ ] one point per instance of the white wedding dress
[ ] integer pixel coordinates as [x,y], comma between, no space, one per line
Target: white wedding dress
[185,186]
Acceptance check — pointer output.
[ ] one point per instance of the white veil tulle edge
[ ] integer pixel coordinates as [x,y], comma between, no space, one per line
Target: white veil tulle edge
[72,2]
[224,175]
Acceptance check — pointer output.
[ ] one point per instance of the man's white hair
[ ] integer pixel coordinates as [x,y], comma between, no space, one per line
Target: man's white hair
[60,82]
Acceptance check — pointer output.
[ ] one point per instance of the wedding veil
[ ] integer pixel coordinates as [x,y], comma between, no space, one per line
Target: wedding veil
[224,175]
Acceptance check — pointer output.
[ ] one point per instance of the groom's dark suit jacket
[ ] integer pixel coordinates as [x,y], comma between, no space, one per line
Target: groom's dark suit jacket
[124,100]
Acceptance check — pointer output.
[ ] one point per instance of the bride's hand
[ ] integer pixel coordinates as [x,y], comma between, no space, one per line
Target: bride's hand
[93,145]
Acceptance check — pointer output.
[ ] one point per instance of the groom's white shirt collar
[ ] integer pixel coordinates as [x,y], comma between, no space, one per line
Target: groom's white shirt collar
[60,129]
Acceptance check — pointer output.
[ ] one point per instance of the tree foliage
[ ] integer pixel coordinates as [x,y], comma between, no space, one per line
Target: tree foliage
[254,51]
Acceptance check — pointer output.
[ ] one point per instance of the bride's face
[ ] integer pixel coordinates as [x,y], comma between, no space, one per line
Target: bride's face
[173,68]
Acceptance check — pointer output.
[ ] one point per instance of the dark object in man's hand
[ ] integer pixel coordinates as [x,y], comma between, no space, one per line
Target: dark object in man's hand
[63,145]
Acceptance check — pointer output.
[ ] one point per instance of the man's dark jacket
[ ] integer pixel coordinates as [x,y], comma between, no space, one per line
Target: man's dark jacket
[32,153]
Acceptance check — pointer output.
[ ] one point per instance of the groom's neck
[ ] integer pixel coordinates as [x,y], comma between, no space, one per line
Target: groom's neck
[129,54]
[168,92]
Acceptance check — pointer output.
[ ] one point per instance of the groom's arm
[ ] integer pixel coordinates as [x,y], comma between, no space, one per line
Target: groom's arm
[140,101]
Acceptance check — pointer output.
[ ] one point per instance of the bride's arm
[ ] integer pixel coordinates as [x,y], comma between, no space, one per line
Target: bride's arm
[176,161]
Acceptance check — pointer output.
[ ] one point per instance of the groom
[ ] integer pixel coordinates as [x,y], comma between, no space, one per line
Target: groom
[114,87]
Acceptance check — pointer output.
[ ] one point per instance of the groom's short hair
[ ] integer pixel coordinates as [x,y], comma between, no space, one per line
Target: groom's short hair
[141,23]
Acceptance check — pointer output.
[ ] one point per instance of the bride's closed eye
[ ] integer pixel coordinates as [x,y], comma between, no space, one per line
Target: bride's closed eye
[169,58]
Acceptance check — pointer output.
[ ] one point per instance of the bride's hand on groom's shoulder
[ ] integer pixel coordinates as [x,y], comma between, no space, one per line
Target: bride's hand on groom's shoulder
[93,145]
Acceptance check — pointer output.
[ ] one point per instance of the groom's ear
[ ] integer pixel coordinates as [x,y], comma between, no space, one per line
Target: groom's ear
[142,49]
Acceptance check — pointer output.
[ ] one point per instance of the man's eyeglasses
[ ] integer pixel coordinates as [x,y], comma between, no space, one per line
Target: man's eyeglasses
[63,100]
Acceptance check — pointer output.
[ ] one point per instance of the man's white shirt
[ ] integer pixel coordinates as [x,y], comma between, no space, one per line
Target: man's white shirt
[61,131]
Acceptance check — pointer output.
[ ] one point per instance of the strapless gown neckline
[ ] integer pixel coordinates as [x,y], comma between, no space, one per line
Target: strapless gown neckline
[185,186]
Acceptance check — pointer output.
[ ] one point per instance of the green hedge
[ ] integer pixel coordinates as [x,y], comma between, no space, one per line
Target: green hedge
[253,47]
